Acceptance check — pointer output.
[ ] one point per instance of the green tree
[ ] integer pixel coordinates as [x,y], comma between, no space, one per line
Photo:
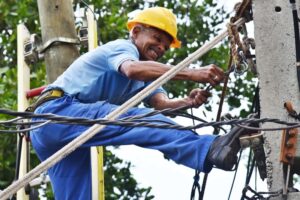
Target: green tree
[198,21]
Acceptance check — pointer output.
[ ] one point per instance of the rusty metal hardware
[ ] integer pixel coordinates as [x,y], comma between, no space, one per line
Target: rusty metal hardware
[288,146]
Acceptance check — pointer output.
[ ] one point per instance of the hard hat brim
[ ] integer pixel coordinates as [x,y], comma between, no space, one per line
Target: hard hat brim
[176,43]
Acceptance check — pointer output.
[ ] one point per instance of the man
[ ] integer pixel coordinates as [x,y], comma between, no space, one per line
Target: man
[99,81]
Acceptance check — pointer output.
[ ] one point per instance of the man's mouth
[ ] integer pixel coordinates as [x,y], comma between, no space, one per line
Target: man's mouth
[153,54]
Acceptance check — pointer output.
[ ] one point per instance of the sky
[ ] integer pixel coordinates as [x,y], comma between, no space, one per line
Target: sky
[172,181]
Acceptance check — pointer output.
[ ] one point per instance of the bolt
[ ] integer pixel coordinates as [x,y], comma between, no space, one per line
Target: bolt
[289,156]
[292,133]
[289,144]
[256,141]
[245,143]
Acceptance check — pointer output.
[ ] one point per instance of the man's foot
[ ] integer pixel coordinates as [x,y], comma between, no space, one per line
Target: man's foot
[224,149]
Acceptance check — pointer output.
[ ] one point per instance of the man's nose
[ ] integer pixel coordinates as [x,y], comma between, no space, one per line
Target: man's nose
[162,48]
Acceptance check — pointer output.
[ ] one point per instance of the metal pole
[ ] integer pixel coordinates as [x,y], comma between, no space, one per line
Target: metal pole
[276,64]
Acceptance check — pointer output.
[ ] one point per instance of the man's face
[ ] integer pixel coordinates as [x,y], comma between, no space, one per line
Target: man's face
[152,43]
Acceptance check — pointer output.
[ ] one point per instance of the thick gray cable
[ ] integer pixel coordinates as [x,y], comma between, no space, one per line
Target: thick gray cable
[86,135]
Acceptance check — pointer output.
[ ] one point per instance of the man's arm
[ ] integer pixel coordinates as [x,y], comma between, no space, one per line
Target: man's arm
[195,99]
[150,70]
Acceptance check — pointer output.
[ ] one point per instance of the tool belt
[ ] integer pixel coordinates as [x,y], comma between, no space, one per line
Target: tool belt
[44,97]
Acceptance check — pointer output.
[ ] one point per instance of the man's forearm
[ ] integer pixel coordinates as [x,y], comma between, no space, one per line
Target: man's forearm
[150,70]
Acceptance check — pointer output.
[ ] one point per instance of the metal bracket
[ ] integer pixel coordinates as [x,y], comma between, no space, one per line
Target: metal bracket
[83,36]
[31,53]
[288,146]
[256,142]
[33,48]
[50,42]
[81,25]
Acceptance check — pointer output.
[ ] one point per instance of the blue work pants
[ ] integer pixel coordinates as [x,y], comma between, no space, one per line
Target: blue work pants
[71,177]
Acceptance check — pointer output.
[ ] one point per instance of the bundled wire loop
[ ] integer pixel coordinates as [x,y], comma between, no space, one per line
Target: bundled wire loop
[136,121]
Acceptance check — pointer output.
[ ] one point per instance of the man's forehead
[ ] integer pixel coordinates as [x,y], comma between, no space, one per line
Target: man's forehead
[161,32]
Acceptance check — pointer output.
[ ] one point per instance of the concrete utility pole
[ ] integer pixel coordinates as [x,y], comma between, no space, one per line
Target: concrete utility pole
[58,36]
[276,63]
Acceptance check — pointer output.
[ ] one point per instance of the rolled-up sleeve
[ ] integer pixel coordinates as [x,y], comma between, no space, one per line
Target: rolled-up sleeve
[123,51]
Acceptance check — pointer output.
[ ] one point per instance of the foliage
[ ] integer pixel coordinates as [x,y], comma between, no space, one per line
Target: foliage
[199,22]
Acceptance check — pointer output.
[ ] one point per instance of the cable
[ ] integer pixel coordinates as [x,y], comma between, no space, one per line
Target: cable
[196,185]
[234,176]
[259,195]
[133,123]
[25,129]
[88,6]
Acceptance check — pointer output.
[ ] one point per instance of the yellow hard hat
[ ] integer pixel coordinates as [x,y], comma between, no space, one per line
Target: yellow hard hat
[160,18]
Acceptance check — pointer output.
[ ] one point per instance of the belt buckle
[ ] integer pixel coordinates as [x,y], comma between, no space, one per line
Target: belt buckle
[56,93]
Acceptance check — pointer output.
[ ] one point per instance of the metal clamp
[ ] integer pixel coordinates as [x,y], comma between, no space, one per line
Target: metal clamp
[58,40]
[288,146]
[83,36]
[31,54]
[256,142]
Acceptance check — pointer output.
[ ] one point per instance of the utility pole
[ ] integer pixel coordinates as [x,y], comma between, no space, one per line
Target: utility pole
[59,47]
[276,64]
[58,35]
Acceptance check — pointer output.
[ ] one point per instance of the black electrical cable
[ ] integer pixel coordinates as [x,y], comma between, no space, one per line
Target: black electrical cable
[234,176]
[250,158]
[84,121]
[255,108]
[196,185]
[87,5]
[18,158]
[26,129]
[176,112]
[249,174]
[248,178]
[259,195]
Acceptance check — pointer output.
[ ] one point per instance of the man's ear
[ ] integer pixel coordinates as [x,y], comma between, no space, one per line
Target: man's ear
[136,30]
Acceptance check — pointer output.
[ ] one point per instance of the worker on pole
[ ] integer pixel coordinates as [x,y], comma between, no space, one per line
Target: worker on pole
[101,80]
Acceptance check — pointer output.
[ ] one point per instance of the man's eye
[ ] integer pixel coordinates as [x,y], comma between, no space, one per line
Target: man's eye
[158,39]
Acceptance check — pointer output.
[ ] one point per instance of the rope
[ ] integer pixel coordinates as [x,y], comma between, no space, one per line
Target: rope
[238,50]
[224,89]
[243,10]
[86,135]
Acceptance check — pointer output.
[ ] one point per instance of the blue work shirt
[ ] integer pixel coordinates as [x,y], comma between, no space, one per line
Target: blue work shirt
[95,76]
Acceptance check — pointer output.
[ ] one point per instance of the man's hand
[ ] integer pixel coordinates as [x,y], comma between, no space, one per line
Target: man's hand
[197,97]
[209,74]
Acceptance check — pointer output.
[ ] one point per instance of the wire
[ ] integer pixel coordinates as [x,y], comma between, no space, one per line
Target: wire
[141,123]
[88,6]
[259,195]
[235,173]
[196,185]
[25,129]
